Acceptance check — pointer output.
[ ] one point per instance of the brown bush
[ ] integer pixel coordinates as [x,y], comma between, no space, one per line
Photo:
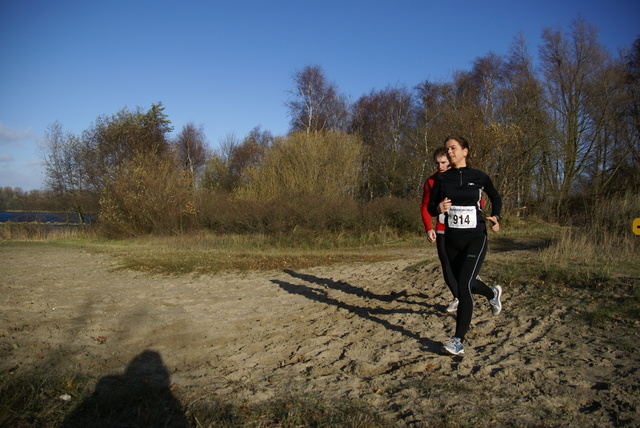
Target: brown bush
[223,213]
[150,195]
[327,163]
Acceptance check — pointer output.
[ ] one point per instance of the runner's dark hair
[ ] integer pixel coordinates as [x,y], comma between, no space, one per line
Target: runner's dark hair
[439,152]
[463,143]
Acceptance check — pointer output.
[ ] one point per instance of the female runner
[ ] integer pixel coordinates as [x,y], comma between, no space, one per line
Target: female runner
[457,193]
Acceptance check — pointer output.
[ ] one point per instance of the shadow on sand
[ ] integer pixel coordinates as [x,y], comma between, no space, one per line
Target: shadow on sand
[370,313]
[141,397]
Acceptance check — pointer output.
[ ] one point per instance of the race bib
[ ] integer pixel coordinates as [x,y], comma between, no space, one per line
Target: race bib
[462,217]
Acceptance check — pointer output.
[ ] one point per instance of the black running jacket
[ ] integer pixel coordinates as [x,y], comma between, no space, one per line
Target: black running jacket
[464,186]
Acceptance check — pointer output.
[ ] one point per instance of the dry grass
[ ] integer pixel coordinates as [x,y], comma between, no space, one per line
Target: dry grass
[204,252]
[35,231]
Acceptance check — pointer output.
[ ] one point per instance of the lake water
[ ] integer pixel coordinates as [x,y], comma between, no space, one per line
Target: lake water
[43,217]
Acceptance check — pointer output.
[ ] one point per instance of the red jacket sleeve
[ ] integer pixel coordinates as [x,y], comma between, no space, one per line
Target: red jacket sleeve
[426,217]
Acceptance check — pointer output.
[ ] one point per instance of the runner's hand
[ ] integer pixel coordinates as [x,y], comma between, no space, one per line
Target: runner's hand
[443,206]
[495,226]
[431,235]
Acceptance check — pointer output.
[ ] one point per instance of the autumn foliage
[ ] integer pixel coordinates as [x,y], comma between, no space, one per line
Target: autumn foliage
[557,139]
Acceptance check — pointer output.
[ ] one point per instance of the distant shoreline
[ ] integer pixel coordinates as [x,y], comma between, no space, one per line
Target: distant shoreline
[46,217]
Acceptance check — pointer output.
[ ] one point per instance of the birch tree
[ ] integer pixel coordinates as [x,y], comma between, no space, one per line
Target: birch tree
[315,104]
[572,65]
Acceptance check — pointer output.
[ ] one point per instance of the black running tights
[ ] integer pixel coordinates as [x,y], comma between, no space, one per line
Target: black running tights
[466,257]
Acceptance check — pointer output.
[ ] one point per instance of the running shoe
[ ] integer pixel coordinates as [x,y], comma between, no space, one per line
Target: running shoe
[453,346]
[453,306]
[496,305]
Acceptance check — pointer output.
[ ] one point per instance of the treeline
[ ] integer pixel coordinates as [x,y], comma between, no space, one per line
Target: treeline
[557,138]
[16,199]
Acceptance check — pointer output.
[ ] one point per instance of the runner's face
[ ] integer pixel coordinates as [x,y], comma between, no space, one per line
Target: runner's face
[457,154]
[442,162]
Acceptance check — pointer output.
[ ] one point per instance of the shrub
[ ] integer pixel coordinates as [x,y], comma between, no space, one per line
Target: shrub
[391,212]
[223,213]
[149,195]
[306,164]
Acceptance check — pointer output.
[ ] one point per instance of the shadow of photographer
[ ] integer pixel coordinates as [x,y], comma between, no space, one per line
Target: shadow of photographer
[141,397]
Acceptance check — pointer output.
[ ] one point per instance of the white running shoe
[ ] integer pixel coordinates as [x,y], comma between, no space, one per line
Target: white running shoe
[453,306]
[496,305]
[453,346]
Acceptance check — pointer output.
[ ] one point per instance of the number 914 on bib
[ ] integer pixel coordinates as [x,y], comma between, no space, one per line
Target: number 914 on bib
[460,217]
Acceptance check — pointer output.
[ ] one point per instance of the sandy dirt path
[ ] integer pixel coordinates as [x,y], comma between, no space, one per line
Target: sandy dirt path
[369,331]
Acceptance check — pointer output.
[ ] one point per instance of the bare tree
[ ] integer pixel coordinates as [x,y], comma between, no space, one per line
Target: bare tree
[385,121]
[520,128]
[572,66]
[62,155]
[228,166]
[488,75]
[632,88]
[629,118]
[190,149]
[248,153]
[217,172]
[614,138]
[315,104]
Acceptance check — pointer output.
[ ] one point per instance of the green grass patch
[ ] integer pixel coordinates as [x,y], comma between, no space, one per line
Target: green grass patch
[618,305]
[290,411]
[75,401]
[38,400]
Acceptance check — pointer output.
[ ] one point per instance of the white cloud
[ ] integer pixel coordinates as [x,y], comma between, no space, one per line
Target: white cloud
[10,135]
[5,157]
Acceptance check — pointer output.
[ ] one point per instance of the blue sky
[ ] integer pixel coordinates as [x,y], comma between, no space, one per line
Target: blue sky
[228,65]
